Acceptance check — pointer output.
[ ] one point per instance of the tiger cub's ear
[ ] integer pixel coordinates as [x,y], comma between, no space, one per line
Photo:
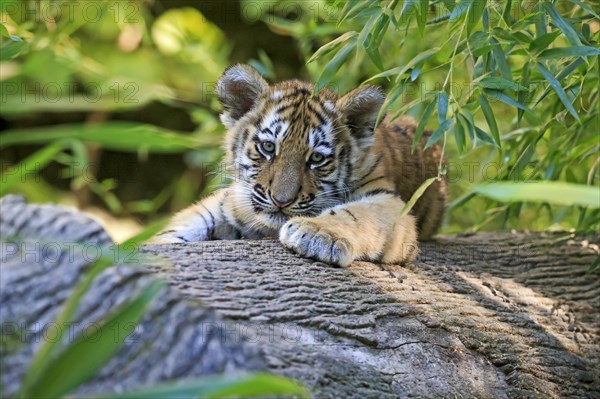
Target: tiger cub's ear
[238,89]
[360,108]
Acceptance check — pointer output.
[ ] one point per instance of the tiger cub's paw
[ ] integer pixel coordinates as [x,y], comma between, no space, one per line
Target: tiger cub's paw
[317,239]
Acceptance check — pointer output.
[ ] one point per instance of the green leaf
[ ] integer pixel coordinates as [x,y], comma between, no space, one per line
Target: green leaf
[375,56]
[363,37]
[483,136]
[415,197]
[498,95]
[474,14]
[559,90]
[422,15]
[406,7]
[246,386]
[468,121]
[438,133]
[349,6]
[334,65]
[401,70]
[586,8]
[459,134]
[542,42]
[42,357]
[461,8]
[148,232]
[506,13]
[3,31]
[561,75]
[325,49]
[574,51]
[32,164]
[498,83]
[119,136]
[393,95]
[422,123]
[442,107]
[11,47]
[559,193]
[524,96]
[563,25]
[500,58]
[541,24]
[84,357]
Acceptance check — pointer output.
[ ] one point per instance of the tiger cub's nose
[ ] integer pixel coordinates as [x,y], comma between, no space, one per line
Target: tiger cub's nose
[281,201]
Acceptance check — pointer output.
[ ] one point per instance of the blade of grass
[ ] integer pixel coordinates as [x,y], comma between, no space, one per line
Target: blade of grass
[247,386]
[34,163]
[41,359]
[84,357]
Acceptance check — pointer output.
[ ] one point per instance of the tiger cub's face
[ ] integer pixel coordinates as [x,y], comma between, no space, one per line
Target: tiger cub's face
[295,153]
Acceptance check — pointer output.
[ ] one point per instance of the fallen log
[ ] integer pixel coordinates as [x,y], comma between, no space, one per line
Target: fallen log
[484,315]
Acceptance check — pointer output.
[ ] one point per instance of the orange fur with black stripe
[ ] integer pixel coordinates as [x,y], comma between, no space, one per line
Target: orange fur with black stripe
[313,171]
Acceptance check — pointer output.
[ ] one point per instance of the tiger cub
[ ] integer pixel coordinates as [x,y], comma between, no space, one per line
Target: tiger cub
[315,172]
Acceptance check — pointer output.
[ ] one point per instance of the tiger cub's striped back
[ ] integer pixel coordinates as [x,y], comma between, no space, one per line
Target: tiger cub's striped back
[314,171]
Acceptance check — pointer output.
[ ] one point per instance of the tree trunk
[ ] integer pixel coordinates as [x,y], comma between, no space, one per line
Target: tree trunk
[489,315]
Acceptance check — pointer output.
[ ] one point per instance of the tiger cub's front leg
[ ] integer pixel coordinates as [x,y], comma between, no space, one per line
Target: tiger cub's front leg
[369,228]
[203,221]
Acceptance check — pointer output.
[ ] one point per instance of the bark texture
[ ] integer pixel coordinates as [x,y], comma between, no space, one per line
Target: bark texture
[490,315]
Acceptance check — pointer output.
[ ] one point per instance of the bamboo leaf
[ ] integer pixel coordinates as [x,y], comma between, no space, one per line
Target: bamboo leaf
[119,136]
[559,193]
[524,96]
[459,134]
[461,8]
[574,51]
[542,42]
[442,107]
[500,59]
[506,13]
[438,133]
[483,136]
[325,49]
[563,25]
[401,70]
[561,75]
[559,90]
[498,83]
[422,123]
[474,14]
[247,386]
[498,95]
[422,15]
[34,163]
[334,65]
[84,357]
[586,8]
[415,197]
[43,356]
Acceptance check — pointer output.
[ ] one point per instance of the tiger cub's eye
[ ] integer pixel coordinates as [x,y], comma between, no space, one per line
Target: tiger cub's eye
[316,158]
[267,147]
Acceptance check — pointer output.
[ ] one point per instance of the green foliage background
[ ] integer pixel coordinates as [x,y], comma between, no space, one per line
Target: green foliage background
[110,103]
[510,88]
